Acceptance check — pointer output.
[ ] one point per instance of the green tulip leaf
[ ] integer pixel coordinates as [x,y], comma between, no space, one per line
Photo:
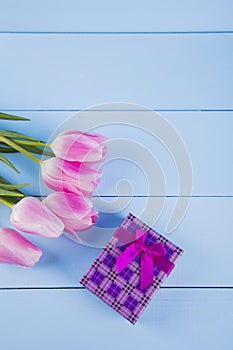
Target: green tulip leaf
[4,192]
[16,146]
[10,187]
[11,199]
[4,149]
[5,116]
[37,150]
[7,162]
[3,181]
[29,148]
[14,134]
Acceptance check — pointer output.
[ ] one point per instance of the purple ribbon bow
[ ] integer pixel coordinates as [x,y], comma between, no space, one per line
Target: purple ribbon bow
[151,256]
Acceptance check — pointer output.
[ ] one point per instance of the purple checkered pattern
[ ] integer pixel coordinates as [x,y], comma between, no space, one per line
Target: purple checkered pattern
[122,291]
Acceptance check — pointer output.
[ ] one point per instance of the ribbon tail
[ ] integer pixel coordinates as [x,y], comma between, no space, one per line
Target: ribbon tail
[147,270]
[125,258]
[164,264]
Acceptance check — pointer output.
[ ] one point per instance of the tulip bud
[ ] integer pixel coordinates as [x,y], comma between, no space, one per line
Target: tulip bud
[79,146]
[61,175]
[16,249]
[75,211]
[30,215]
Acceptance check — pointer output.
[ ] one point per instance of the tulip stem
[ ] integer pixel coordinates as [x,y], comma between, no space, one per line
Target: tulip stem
[7,203]
[20,149]
[33,143]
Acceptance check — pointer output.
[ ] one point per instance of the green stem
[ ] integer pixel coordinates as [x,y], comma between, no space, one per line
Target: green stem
[33,143]
[20,149]
[4,181]
[7,203]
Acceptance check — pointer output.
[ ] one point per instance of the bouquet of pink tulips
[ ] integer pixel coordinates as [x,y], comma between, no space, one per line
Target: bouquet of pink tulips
[70,172]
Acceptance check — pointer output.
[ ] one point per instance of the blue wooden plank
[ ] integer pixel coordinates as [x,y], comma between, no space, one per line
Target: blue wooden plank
[212,170]
[76,71]
[89,15]
[192,319]
[206,226]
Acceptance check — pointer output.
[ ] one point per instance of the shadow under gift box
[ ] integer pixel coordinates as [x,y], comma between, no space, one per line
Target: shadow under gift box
[122,290]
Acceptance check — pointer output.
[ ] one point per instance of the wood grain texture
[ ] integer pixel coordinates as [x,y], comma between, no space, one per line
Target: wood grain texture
[129,15]
[58,319]
[76,71]
[212,169]
[205,228]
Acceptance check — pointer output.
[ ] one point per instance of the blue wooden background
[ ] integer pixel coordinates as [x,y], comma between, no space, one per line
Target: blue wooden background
[175,57]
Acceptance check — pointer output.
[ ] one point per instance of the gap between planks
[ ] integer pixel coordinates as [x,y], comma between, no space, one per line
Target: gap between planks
[197,110]
[82,288]
[220,32]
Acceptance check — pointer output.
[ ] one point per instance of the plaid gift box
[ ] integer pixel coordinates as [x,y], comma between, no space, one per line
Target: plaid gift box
[122,291]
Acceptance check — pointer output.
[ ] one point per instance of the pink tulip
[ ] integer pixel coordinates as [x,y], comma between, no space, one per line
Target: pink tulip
[74,210]
[16,249]
[62,175]
[79,146]
[30,215]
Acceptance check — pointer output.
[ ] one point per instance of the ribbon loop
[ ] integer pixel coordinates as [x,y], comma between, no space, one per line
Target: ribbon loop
[151,256]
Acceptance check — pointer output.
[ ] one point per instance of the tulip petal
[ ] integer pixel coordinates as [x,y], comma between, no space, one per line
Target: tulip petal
[81,171]
[100,139]
[16,249]
[31,216]
[79,146]
[68,205]
[61,175]
[75,211]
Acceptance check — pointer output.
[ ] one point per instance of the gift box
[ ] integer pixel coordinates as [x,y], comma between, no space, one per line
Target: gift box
[131,267]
